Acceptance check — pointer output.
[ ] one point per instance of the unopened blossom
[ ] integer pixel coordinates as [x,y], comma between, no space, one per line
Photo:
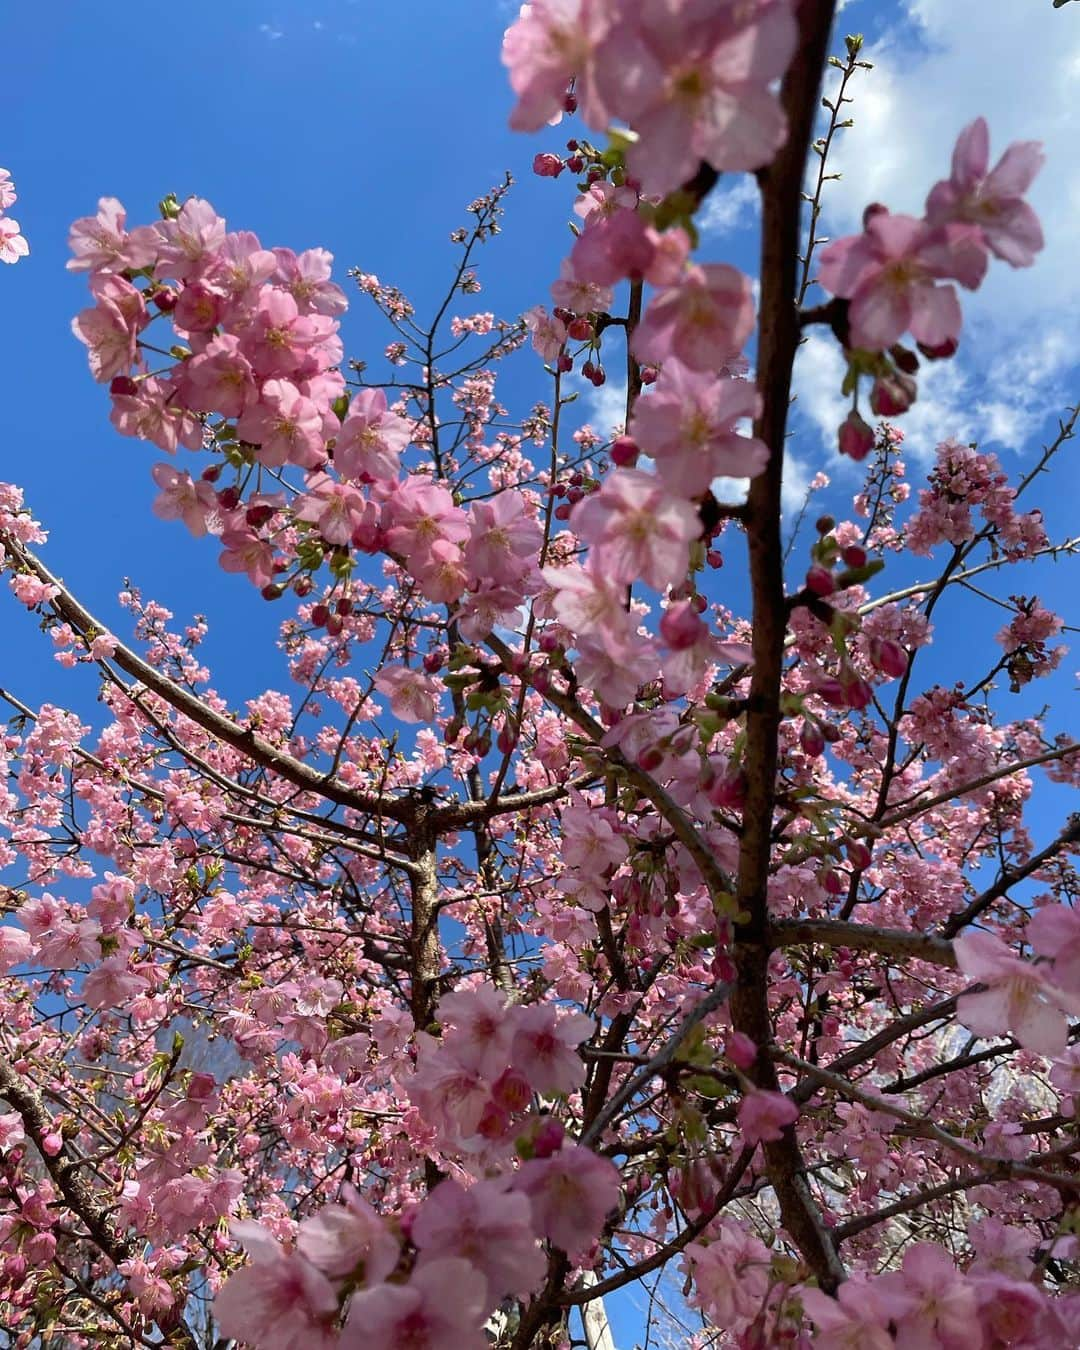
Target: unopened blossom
[277,1302]
[413,695]
[703,321]
[687,424]
[441,1307]
[1017,999]
[487,1225]
[992,199]
[637,529]
[893,274]
[763,1116]
[572,1193]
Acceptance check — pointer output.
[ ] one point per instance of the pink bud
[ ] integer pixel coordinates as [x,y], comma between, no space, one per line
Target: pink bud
[811,740]
[547,165]
[888,657]
[854,556]
[122,385]
[624,452]
[941,352]
[681,626]
[856,437]
[581,330]
[740,1049]
[52,1143]
[858,855]
[820,580]
[549,1137]
[893,394]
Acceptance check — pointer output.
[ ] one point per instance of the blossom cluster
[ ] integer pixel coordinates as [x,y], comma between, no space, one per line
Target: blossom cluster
[13,245]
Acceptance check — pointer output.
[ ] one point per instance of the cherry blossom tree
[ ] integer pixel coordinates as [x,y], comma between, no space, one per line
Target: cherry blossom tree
[560,925]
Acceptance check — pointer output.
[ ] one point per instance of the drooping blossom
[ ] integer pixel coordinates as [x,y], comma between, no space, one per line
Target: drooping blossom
[180,498]
[349,1240]
[102,243]
[371,439]
[992,199]
[895,274]
[942,1309]
[441,1307]
[551,43]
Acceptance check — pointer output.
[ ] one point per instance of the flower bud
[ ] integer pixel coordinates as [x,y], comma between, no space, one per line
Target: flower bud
[681,626]
[624,452]
[893,394]
[888,657]
[547,165]
[855,437]
[820,580]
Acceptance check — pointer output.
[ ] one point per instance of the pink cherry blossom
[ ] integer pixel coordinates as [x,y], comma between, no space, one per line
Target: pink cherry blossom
[572,1193]
[188,243]
[891,273]
[731,1274]
[502,538]
[286,426]
[441,1307]
[111,329]
[11,1130]
[551,43]
[344,1239]
[8,195]
[687,425]
[102,243]
[413,695]
[336,509]
[1054,931]
[279,1301]
[219,379]
[992,199]
[245,552]
[636,529]
[548,332]
[858,1317]
[487,1225]
[702,91]
[13,244]
[154,413]
[481,1028]
[1018,998]
[112,984]
[543,1048]
[195,503]
[763,1116]
[943,1310]
[703,321]
[306,277]
[371,439]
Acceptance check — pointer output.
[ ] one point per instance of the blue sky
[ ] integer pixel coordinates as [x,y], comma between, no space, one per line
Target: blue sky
[365,128]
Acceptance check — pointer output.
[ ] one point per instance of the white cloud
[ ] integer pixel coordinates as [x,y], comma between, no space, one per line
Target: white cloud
[606,406]
[731,207]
